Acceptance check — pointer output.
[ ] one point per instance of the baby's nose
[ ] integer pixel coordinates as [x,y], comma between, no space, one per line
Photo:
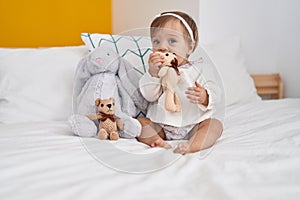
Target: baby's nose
[163,49]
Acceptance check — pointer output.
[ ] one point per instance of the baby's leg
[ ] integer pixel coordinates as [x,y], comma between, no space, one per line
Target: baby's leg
[152,134]
[203,136]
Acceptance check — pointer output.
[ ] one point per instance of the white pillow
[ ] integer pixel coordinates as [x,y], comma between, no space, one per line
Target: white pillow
[135,49]
[238,85]
[36,83]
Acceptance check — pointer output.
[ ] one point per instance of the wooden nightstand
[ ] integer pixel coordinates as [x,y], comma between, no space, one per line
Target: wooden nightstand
[268,85]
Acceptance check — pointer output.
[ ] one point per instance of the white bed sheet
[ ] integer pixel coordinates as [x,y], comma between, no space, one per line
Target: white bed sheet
[257,157]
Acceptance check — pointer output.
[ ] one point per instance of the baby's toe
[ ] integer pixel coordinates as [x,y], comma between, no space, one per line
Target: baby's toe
[182,148]
[160,143]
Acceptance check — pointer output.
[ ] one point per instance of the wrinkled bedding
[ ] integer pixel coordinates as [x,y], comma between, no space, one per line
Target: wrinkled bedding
[257,157]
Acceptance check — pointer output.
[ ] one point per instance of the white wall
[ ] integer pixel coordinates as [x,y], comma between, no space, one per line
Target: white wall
[133,14]
[269,31]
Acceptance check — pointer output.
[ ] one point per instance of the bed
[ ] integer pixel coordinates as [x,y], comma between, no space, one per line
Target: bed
[257,156]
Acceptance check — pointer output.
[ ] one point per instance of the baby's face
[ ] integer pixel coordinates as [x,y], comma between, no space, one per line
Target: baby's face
[171,38]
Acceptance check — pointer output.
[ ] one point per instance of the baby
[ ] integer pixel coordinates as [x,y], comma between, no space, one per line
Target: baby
[200,119]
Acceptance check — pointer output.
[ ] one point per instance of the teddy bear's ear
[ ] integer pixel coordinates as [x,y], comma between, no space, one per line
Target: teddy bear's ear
[174,62]
[112,99]
[97,101]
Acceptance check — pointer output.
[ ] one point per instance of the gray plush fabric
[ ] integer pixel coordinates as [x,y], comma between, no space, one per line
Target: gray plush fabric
[103,74]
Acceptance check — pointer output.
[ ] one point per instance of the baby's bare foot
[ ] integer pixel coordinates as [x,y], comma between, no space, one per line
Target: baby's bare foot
[182,148]
[160,143]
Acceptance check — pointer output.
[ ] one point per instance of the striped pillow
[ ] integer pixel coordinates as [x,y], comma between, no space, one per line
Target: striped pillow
[135,49]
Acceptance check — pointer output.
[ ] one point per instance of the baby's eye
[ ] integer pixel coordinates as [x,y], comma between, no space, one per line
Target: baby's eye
[172,41]
[155,42]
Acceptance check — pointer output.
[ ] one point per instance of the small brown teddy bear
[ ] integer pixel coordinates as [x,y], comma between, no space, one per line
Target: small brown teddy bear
[170,75]
[109,123]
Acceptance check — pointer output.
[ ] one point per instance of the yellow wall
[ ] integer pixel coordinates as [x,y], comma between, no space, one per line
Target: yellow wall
[41,23]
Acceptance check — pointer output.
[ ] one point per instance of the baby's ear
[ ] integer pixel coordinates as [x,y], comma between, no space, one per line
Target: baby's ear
[191,48]
[97,101]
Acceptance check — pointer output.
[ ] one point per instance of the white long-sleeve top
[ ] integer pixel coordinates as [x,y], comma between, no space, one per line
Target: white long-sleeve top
[202,72]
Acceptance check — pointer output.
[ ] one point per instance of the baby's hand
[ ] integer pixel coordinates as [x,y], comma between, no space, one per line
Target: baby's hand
[197,94]
[155,61]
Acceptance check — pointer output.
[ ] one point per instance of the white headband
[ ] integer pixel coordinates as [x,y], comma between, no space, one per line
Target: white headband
[187,26]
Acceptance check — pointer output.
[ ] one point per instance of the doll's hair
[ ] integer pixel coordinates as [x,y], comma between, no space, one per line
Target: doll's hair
[190,26]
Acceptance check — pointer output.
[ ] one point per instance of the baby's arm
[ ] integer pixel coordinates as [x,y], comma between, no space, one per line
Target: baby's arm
[150,85]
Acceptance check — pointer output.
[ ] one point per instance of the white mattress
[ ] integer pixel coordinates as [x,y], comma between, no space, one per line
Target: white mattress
[257,157]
